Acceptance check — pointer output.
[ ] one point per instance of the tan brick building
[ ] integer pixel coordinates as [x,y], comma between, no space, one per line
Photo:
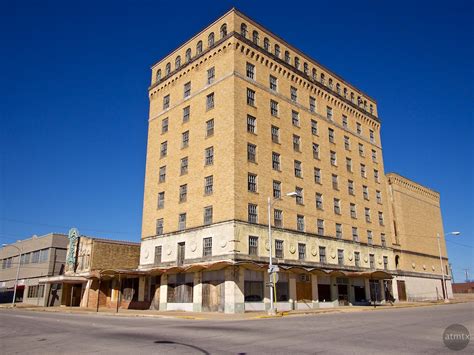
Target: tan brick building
[237,116]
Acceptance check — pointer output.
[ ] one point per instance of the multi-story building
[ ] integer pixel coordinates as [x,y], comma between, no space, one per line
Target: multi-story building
[37,257]
[238,116]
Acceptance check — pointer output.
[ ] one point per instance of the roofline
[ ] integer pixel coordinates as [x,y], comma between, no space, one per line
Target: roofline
[412,181]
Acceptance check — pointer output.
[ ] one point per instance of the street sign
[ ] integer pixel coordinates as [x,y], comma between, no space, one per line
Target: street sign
[269,284]
[273,268]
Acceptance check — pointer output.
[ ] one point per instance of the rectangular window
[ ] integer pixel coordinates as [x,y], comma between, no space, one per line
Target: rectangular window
[312,104]
[295,118]
[315,151]
[347,143]
[338,231]
[340,256]
[361,149]
[183,193]
[298,170]
[184,166]
[209,156]
[208,185]
[376,175]
[159,226]
[164,125]
[300,223]
[322,255]
[314,127]
[383,241]
[319,201]
[320,225]
[273,83]
[317,175]
[161,199]
[381,222]
[293,94]
[210,101]
[251,124]
[158,254]
[357,258]
[185,139]
[333,158]
[350,187]
[372,136]
[353,210]
[299,195]
[43,255]
[166,102]
[186,113]
[276,189]
[355,234]
[209,127]
[250,97]
[251,152]
[378,196]
[163,149]
[370,238]
[274,108]
[250,71]
[279,249]
[374,156]
[278,218]
[296,143]
[329,113]
[252,213]
[363,172]
[275,134]
[331,135]
[344,121]
[365,192]
[385,263]
[275,161]
[337,206]
[187,89]
[359,128]
[211,72]
[335,183]
[208,215]
[252,182]
[207,247]
[372,261]
[253,245]
[301,251]
[349,165]
[162,174]
[182,221]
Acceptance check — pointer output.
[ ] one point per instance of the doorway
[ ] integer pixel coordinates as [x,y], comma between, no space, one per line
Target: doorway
[342,295]
[402,292]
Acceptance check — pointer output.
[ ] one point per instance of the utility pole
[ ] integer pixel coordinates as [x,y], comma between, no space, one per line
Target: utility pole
[467,274]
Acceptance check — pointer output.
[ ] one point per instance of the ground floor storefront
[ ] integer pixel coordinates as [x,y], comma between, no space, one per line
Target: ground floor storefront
[30,291]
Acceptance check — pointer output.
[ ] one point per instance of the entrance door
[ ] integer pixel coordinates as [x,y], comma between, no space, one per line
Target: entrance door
[155,283]
[324,293]
[181,255]
[375,292]
[402,293]
[343,296]
[303,288]
[213,296]
[359,294]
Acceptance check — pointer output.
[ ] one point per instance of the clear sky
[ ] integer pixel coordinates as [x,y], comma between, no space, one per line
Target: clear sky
[74,104]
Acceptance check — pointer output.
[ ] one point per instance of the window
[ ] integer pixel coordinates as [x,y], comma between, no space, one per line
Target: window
[207,247]
[371,109]
[374,156]
[338,231]
[279,249]
[314,127]
[337,206]
[274,108]
[166,102]
[381,222]
[223,30]
[322,255]
[314,75]
[177,62]
[322,78]
[385,263]
[278,218]
[293,93]
[355,234]
[186,113]
[168,68]
[363,172]
[208,185]
[162,174]
[344,121]
[317,175]
[301,251]
[299,195]
[372,261]
[275,134]
[250,71]
[350,187]
[300,223]
[333,158]
[211,75]
[273,83]
[315,151]
[338,88]
[251,124]
[266,44]
[185,139]
[357,258]
[250,97]
[331,135]
[164,125]
[163,149]
[349,164]
[365,192]
[187,89]
[298,170]
[376,175]
[210,101]
[209,127]
[158,254]
[188,55]
[353,210]
[347,143]
[320,226]
[199,47]
[183,193]
[255,37]
[361,149]
[277,51]
[378,196]
[335,183]
[383,241]
[287,57]
[329,113]
[370,239]
[251,152]
[305,68]
[252,182]
[297,63]
[43,255]
[295,118]
[184,166]
[209,156]
[253,245]
[371,136]
[345,92]
[182,221]
[210,39]
[159,226]
[296,143]
[340,256]
[252,213]
[276,189]
[319,201]
[359,128]
[243,30]
[161,199]
[275,161]
[330,83]
[158,75]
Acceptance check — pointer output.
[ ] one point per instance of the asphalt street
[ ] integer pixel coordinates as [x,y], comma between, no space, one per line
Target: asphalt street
[388,331]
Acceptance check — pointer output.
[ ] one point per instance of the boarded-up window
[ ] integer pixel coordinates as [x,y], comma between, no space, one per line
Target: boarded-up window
[180,288]
[253,286]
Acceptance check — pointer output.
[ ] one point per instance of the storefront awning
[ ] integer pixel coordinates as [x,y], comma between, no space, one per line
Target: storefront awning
[62,279]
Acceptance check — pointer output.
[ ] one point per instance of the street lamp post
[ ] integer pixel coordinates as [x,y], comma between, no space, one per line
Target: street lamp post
[445,291]
[17,270]
[271,270]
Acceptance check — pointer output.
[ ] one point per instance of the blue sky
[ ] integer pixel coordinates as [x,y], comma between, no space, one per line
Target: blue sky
[73,100]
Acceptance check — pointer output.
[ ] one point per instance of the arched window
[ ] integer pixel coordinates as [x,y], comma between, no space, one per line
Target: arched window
[287,56]
[322,78]
[223,30]
[243,30]
[330,83]
[397,261]
[365,105]
[314,74]
[338,88]
[352,97]
[305,68]
[168,68]
[266,44]
[345,93]
[255,37]
[359,101]
[199,47]
[277,50]
[188,55]
[177,62]
[158,75]
[297,62]
[371,108]
[210,39]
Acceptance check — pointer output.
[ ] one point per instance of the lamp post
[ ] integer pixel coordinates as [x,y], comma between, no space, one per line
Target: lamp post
[271,269]
[441,263]
[17,270]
